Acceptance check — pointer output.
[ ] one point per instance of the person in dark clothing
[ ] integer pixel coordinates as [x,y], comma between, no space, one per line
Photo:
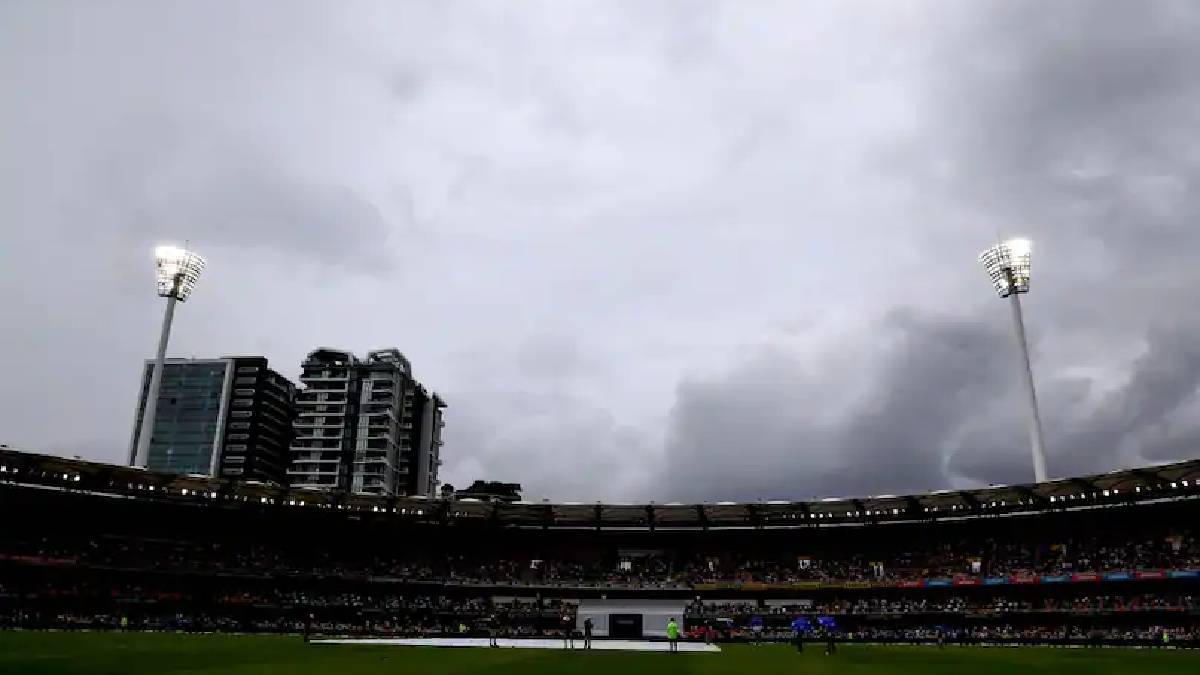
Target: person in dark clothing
[587,633]
[568,625]
[830,644]
[493,631]
[799,625]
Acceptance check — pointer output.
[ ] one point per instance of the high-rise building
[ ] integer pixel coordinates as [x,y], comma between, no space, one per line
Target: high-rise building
[365,425]
[230,416]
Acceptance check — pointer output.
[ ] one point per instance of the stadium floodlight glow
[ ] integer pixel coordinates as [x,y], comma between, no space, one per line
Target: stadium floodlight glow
[1008,265]
[176,271]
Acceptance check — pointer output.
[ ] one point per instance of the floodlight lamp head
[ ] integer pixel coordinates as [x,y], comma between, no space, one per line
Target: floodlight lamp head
[177,271]
[1007,264]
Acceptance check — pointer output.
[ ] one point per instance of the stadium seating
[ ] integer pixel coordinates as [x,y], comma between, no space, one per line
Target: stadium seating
[86,547]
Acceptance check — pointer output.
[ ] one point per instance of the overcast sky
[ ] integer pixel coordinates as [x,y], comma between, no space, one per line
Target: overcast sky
[645,250]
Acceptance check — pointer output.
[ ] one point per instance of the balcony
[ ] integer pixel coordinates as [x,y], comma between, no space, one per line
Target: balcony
[336,388]
[324,374]
[312,473]
[311,414]
[378,411]
[318,481]
[315,396]
[336,416]
[309,443]
[307,456]
[312,427]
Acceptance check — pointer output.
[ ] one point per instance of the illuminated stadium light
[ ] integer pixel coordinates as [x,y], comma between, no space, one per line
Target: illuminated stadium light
[176,272]
[1008,266]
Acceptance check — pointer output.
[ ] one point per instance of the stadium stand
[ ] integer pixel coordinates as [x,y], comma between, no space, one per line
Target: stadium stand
[1113,558]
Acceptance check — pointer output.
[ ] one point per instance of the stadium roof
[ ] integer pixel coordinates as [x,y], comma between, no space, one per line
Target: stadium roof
[1170,481]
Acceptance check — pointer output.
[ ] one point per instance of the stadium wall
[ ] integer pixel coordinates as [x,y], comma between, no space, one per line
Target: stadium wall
[654,614]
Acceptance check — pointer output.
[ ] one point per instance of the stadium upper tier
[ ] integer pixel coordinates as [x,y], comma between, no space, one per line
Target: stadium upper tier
[1148,484]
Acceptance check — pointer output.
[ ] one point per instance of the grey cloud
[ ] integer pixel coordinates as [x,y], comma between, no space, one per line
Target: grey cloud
[1073,122]
[558,446]
[1137,417]
[593,226]
[549,356]
[944,409]
[758,432]
[222,191]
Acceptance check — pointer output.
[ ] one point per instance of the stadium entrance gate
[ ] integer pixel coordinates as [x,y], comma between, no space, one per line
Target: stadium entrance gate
[630,619]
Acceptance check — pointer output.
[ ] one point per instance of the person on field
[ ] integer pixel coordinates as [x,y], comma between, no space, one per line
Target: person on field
[756,627]
[799,625]
[673,634]
[493,626]
[587,633]
[568,626]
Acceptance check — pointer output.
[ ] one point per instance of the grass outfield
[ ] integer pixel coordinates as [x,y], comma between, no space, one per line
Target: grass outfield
[35,653]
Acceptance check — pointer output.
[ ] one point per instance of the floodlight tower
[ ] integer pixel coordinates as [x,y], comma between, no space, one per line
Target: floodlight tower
[1007,264]
[177,271]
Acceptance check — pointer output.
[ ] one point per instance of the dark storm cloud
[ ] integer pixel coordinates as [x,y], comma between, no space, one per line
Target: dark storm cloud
[645,249]
[1079,119]
[764,430]
[1076,123]
[223,190]
[1142,412]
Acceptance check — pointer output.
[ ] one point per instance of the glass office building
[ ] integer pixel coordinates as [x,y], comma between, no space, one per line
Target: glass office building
[230,416]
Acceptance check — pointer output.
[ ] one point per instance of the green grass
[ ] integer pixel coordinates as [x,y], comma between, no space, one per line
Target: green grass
[163,654]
